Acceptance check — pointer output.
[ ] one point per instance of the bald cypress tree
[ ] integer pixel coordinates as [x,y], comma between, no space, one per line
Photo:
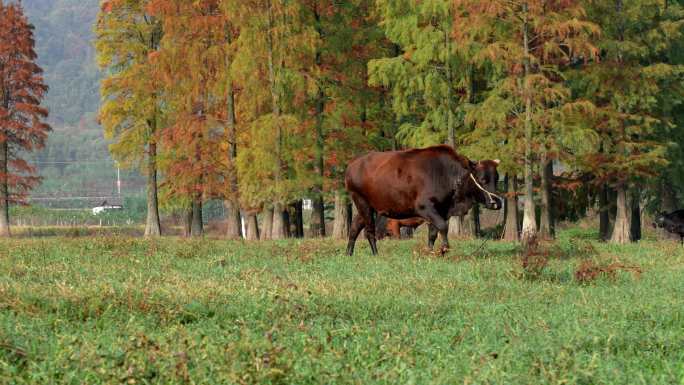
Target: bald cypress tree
[189,65]
[342,109]
[523,43]
[127,37]
[22,119]
[427,79]
[629,87]
[275,43]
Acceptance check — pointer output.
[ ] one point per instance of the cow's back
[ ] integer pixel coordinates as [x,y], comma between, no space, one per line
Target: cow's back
[674,222]
[677,215]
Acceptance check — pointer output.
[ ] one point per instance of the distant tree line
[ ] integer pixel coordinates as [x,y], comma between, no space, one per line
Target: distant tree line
[262,103]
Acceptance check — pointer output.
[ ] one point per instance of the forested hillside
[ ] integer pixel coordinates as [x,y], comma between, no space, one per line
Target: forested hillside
[64,35]
[76,161]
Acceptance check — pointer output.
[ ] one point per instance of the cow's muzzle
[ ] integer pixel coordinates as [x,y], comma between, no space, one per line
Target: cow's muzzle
[494,203]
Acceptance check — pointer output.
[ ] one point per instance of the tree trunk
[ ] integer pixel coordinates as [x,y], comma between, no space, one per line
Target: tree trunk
[546,222]
[318,213]
[287,222]
[604,213]
[635,222]
[4,190]
[279,223]
[454,227]
[267,224]
[461,227]
[669,197]
[252,227]
[451,129]
[529,229]
[612,199]
[317,223]
[406,232]
[187,221]
[197,227]
[511,232]
[668,204]
[277,229]
[233,219]
[621,227]
[458,226]
[297,219]
[340,227]
[300,218]
[231,205]
[152,225]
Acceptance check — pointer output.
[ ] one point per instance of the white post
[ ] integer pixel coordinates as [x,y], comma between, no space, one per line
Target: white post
[118,180]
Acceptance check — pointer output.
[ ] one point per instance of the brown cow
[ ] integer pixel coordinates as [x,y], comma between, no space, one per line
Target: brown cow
[433,183]
[393,226]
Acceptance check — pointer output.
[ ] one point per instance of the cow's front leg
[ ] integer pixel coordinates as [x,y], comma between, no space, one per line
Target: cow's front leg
[432,236]
[436,221]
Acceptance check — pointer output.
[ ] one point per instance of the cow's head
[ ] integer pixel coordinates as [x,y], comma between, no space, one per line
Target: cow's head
[485,177]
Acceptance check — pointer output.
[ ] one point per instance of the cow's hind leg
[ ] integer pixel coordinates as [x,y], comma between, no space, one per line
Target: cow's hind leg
[366,212]
[370,235]
[357,225]
[394,229]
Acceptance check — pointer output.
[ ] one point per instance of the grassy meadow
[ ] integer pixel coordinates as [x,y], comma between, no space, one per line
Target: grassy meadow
[121,310]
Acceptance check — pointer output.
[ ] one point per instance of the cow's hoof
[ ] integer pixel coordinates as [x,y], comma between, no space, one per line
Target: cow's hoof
[443,250]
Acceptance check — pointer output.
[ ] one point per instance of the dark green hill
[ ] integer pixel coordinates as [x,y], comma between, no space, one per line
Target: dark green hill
[64,36]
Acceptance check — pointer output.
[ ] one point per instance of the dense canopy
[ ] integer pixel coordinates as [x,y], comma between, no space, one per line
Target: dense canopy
[262,103]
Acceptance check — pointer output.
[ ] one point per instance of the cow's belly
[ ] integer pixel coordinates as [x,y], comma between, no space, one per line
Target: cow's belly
[392,207]
[391,197]
[398,215]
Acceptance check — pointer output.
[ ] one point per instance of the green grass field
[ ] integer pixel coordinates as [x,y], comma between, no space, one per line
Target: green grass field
[123,310]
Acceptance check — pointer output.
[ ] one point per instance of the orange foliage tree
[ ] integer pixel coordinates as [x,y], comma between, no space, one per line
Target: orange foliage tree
[191,62]
[22,119]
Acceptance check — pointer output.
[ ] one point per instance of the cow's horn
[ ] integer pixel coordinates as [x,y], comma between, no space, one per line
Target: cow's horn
[496,161]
